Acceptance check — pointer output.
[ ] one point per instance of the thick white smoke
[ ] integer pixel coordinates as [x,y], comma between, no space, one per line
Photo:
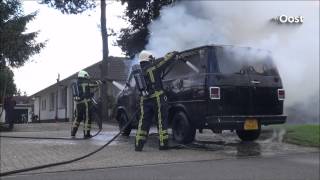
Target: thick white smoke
[188,24]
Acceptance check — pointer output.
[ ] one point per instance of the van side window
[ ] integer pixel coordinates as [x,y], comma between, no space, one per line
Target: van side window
[199,62]
[263,67]
[180,69]
[228,62]
[234,60]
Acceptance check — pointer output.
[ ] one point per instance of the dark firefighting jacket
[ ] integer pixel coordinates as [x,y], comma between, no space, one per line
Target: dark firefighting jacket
[154,71]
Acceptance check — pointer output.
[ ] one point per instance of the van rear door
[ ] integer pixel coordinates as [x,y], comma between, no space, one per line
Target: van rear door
[249,82]
[228,74]
[265,83]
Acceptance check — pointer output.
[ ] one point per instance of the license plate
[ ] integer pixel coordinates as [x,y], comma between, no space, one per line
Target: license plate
[251,124]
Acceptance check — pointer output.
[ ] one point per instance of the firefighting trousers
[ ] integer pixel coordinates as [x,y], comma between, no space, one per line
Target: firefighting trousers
[83,112]
[154,106]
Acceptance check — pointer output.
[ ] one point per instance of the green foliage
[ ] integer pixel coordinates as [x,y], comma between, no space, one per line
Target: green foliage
[6,82]
[70,6]
[16,46]
[308,135]
[139,14]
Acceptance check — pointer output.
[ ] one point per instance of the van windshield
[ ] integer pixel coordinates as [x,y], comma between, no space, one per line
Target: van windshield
[238,60]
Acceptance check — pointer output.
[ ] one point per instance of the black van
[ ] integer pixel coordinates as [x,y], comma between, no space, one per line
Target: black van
[217,88]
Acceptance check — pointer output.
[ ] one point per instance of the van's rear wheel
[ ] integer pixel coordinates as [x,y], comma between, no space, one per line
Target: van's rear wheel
[182,130]
[251,135]
[122,121]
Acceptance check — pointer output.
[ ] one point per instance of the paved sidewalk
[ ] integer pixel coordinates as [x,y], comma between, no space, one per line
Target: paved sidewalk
[25,153]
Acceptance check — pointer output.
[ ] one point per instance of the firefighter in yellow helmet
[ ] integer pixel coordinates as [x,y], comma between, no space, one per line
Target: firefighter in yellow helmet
[83,93]
[153,103]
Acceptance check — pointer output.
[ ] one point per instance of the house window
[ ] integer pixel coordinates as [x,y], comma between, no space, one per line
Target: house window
[51,105]
[44,104]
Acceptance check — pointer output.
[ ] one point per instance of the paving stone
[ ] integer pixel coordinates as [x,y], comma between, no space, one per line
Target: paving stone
[25,153]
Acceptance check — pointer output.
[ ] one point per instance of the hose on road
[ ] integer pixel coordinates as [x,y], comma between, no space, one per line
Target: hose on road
[52,138]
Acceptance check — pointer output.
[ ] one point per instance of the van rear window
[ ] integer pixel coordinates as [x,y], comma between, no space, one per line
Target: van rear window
[238,60]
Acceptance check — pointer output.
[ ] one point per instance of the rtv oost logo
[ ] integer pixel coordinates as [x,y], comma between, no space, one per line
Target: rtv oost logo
[284,19]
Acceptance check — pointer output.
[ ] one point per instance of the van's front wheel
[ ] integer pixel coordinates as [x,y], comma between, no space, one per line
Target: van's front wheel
[122,121]
[182,130]
[251,135]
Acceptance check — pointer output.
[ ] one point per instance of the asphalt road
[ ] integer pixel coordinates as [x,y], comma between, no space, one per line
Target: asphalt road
[211,156]
[294,166]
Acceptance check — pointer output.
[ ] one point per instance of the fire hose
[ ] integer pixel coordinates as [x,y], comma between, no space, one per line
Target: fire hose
[51,138]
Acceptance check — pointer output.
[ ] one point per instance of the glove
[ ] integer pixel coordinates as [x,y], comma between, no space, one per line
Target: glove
[172,54]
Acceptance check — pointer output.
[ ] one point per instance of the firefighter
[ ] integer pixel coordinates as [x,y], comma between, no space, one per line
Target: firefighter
[83,93]
[153,104]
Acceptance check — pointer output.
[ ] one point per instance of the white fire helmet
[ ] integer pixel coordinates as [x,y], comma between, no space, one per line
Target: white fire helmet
[83,74]
[145,56]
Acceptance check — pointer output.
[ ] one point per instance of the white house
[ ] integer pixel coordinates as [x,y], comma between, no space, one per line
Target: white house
[2,117]
[55,103]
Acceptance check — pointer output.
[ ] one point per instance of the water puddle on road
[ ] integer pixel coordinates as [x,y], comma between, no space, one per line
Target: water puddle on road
[106,136]
[49,142]
[270,143]
[98,140]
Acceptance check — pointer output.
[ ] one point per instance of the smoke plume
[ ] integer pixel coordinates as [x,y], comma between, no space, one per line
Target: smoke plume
[295,47]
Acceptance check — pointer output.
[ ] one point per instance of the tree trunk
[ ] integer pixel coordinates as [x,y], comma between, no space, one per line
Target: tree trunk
[4,93]
[104,33]
[104,67]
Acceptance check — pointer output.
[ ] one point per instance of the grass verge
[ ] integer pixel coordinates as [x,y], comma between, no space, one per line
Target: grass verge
[306,135]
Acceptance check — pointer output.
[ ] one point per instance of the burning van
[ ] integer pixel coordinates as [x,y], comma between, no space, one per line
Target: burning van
[218,88]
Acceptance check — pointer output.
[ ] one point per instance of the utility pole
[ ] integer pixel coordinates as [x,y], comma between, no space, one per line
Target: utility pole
[105,63]
[57,95]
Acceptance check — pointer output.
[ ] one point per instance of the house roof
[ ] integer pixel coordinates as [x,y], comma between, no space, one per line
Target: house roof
[118,69]
[21,99]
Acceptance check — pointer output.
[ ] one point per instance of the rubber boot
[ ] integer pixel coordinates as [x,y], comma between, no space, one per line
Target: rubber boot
[139,146]
[87,134]
[73,132]
[165,146]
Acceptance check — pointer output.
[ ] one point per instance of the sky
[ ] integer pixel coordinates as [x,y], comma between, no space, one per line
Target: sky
[73,43]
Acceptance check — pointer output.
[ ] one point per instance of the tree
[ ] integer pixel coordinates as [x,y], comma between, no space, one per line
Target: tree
[139,14]
[7,85]
[16,46]
[71,6]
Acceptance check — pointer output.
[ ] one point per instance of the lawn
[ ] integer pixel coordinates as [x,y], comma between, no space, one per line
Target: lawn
[306,135]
